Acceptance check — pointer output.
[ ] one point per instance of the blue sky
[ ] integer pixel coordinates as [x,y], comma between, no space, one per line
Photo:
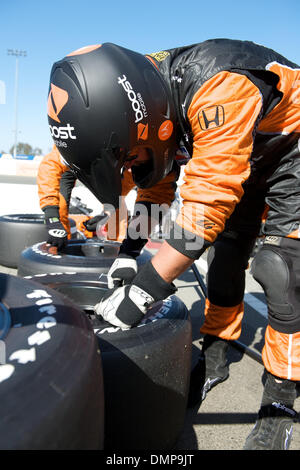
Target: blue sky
[48,30]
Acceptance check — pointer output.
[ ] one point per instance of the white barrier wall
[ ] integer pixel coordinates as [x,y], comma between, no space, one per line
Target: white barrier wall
[15,197]
[19,199]
[20,166]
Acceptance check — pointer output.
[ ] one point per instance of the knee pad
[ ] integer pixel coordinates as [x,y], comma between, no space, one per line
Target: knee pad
[227,261]
[277,269]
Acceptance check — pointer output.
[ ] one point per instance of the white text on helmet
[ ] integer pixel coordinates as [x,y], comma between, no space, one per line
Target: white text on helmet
[136,104]
[62,132]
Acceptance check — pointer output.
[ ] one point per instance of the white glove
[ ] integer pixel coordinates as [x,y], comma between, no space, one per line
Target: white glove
[129,302]
[126,306]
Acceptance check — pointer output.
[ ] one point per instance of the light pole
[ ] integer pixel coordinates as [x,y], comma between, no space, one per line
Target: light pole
[17,54]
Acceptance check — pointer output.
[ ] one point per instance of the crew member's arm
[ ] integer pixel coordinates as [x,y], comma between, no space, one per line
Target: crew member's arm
[54,192]
[223,116]
[150,206]
[49,175]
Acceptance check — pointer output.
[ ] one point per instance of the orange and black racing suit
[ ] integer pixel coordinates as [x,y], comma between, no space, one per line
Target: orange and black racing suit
[238,108]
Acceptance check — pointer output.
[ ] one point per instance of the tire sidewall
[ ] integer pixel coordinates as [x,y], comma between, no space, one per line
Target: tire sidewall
[45,379]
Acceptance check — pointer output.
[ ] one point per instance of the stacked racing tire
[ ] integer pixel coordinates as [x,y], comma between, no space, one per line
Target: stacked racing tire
[51,376]
[146,369]
[19,231]
[80,256]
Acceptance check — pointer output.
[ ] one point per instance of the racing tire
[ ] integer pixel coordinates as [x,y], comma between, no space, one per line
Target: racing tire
[51,376]
[88,256]
[146,369]
[19,231]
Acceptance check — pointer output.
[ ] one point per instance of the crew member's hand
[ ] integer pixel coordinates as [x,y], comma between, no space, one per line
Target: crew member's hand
[122,271]
[126,306]
[57,235]
[91,224]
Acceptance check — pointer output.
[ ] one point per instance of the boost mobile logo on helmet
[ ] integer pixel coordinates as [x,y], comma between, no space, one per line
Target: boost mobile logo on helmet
[57,99]
[62,132]
[136,100]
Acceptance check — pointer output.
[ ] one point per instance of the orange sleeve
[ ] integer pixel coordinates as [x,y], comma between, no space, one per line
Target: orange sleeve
[48,179]
[223,115]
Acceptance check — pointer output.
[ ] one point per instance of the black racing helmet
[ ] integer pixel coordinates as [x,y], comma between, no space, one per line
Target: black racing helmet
[103,101]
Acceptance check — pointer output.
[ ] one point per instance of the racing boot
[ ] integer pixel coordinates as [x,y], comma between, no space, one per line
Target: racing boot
[210,370]
[274,425]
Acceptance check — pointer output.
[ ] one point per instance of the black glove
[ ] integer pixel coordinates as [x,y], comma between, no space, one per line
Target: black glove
[91,224]
[125,306]
[57,235]
[122,271]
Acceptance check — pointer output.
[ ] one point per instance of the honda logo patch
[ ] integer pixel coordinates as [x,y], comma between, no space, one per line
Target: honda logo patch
[211,117]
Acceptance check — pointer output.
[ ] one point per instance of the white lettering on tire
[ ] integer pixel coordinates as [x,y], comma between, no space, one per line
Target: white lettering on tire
[44,304]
